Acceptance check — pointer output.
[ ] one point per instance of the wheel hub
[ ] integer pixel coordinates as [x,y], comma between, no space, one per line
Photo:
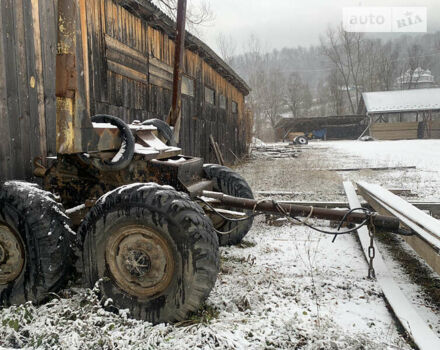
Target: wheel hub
[11,255]
[140,260]
[137,262]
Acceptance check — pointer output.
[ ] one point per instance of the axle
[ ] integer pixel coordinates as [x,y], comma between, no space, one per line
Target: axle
[380,222]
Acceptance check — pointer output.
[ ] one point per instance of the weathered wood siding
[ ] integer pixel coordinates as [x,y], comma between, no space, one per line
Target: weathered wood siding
[129,74]
[133,73]
[27,84]
[406,130]
[395,131]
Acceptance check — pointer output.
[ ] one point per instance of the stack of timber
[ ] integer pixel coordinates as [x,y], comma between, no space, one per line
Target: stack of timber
[275,151]
[395,131]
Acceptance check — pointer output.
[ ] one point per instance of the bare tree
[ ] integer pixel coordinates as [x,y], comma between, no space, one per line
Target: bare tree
[323,96]
[386,65]
[227,46]
[253,66]
[273,95]
[294,95]
[307,101]
[336,98]
[198,12]
[346,52]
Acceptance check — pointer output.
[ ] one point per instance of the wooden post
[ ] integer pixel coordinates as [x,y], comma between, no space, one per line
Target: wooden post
[74,129]
[217,152]
[175,113]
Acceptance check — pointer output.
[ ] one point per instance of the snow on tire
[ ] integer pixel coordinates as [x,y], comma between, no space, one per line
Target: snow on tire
[35,239]
[164,129]
[153,251]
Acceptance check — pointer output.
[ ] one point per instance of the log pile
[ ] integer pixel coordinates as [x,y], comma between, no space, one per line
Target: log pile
[274,151]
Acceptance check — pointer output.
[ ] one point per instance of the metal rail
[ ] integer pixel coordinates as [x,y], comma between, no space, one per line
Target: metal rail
[418,330]
[426,241]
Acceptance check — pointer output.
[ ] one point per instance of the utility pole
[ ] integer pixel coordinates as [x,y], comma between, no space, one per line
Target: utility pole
[174,117]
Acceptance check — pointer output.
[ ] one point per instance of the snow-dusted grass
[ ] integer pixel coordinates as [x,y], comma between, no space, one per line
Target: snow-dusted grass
[421,153]
[289,289]
[424,154]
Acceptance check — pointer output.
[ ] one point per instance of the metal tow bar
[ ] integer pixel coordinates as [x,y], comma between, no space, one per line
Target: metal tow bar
[380,222]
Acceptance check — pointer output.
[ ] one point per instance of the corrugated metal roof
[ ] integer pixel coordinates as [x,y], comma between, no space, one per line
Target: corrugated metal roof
[402,101]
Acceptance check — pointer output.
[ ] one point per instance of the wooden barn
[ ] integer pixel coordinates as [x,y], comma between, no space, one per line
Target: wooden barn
[402,114]
[127,58]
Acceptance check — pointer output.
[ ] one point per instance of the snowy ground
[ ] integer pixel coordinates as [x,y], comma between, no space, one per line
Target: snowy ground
[284,288]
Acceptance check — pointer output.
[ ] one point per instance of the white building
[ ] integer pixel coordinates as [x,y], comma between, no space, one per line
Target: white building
[417,79]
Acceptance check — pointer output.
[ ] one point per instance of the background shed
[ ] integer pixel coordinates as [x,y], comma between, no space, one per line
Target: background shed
[403,114]
[340,127]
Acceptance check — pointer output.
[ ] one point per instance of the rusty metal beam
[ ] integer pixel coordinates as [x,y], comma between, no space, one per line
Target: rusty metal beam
[388,223]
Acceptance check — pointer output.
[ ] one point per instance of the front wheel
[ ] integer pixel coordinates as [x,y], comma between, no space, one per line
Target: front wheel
[154,250]
[35,253]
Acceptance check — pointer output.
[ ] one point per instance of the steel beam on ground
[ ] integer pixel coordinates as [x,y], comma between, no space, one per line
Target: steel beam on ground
[426,242]
[416,328]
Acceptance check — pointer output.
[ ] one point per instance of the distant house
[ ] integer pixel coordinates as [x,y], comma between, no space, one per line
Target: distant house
[417,79]
[402,114]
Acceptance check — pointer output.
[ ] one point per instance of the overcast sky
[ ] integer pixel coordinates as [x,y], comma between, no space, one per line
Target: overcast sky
[289,23]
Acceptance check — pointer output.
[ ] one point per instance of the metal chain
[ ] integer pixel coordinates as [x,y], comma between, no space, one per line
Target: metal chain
[371,249]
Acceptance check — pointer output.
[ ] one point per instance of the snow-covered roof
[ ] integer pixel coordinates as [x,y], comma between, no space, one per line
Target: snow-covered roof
[402,100]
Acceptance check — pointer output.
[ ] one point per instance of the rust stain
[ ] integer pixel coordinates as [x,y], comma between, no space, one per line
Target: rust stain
[83,18]
[32,82]
[64,128]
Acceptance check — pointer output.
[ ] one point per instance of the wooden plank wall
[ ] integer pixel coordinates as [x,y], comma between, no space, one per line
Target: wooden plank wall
[395,131]
[27,88]
[435,129]
[406,130]
[133,70]
[130,74]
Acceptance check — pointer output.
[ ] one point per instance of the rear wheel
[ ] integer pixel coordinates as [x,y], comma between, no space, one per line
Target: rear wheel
[301,140]
[229,182]
[153,248]
[164,130]
[34,244]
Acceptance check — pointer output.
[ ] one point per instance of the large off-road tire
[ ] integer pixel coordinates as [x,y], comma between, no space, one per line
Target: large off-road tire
[34,244]
[153,249]
[164,130]
[125,155]
[233,184]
